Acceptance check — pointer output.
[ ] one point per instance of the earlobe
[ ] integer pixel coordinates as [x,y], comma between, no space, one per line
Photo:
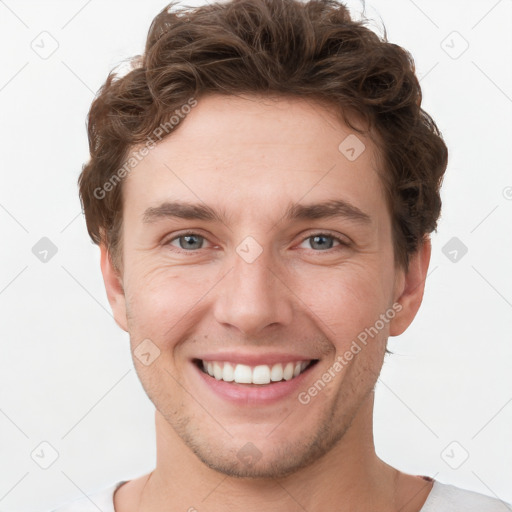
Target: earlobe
[114,288]
[412,286]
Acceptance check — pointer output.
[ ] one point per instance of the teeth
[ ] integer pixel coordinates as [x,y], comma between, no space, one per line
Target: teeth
[217,371]
[261,374]
[288,371]
[276,374]
[228,373]
[243,374]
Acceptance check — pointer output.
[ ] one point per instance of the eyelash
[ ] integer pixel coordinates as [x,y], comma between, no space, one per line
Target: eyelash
[342,242]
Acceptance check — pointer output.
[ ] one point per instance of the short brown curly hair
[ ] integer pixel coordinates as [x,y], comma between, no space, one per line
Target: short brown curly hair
[312,50]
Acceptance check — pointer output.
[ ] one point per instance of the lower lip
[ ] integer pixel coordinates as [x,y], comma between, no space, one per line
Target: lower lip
[254,394]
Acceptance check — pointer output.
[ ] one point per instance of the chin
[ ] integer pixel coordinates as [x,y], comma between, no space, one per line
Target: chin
[269,456]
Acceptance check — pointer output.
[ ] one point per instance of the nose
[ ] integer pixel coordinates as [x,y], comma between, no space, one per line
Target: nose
[252,297]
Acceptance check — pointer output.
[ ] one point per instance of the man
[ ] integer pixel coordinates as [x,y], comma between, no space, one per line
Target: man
[262,186]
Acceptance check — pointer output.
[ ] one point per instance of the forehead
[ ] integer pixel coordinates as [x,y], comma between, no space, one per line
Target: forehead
[245,152]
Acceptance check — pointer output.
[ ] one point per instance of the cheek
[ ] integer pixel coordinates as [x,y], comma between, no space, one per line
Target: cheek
[162,299]
[345,302]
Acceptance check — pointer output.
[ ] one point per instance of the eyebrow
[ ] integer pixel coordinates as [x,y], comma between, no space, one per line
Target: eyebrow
[333,208]
[328,209]
[180,210]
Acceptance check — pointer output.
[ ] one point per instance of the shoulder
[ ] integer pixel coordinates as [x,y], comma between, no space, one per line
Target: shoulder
[100,500]
[447,498]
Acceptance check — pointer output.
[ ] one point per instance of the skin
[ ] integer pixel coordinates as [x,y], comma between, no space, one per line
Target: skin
[251,157]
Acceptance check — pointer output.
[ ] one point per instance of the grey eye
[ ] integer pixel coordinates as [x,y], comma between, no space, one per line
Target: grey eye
[189,241]
[322,242]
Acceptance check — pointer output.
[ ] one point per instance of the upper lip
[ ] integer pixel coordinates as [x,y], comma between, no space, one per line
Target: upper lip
[254,359]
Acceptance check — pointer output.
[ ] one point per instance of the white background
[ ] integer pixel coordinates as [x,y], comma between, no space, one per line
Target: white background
[66,372]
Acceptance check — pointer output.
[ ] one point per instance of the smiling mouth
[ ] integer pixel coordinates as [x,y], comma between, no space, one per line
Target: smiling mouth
[259,375]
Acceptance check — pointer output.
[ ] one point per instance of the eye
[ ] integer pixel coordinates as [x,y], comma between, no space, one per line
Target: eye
[187,241]
[323,241]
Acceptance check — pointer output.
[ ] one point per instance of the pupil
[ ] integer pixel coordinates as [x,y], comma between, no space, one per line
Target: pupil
[320,237]
[189,241]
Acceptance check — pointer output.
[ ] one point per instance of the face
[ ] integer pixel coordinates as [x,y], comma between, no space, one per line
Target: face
[255,248]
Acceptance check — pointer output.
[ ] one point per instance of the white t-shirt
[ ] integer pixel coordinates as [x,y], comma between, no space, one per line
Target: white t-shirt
[442,498]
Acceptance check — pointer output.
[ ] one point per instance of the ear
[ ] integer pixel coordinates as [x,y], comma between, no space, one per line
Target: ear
[114,288]
[410,288]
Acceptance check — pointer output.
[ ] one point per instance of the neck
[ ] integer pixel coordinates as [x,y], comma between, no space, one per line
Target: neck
[350,475]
